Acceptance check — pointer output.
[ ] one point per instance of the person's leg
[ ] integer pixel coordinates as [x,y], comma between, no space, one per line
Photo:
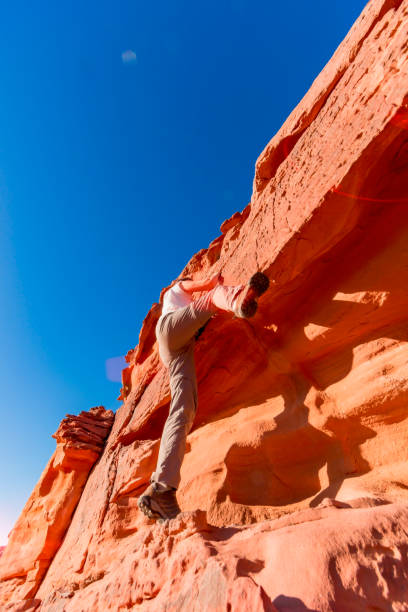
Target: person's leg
[220,298]
[159,501]
[178,328]
[241,300]
[175,335]
[183,408]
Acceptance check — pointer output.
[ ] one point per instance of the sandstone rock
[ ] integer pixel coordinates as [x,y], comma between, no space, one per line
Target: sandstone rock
[294,563]
[294,484]
[40,529]
[25,605]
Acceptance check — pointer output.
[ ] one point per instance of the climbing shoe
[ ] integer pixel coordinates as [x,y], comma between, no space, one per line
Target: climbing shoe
[159,505]
[245,305]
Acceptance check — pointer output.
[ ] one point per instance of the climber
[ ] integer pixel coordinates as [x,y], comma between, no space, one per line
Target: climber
[176,332]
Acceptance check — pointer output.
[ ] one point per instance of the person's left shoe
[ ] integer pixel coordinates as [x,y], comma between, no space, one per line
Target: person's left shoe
[159,505]
[246,305]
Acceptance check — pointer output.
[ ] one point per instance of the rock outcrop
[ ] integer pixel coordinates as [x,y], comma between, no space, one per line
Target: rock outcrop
[294,486]
[40,529]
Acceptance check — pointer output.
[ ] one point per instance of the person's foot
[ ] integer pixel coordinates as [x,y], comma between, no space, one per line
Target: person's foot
[159,505]
[245,305]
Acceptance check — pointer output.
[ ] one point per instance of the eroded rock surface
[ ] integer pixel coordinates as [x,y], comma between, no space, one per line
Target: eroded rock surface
[295,482]
[186,564]
[40,529]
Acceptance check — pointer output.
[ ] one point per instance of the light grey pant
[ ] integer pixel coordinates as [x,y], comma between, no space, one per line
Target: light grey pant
[175,333]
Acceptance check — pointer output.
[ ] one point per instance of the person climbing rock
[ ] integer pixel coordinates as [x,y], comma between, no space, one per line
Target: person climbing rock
[176,331]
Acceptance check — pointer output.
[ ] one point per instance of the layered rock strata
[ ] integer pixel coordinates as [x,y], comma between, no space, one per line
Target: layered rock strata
[40,529]
[294,486]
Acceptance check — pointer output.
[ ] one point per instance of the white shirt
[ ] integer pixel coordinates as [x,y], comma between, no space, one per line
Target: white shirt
[175,298]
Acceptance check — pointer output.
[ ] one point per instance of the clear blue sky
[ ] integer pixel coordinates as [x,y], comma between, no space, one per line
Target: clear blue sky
[115,168]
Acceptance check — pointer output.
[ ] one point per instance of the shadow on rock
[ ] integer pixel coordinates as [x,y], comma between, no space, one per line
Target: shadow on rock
[283,603]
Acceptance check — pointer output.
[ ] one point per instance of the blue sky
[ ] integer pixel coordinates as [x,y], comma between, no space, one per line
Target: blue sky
[129,132]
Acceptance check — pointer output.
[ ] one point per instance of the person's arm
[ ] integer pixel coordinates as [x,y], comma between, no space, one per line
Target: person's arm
[190,286]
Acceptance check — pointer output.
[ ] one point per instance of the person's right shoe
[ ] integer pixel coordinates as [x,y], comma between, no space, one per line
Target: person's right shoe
[246,305]
[159,505]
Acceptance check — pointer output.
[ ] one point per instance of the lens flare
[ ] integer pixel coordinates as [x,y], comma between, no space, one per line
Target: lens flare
[114,367]
[353,196]
[400,120]
[129,57]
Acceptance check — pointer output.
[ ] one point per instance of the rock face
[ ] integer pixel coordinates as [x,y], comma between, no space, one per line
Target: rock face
[294,484]
[40,529]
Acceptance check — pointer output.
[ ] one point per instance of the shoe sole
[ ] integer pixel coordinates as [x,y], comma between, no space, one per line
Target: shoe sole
[258,283]
[145,505]
[249,308]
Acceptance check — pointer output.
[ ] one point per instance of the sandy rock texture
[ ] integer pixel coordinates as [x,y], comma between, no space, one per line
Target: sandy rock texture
[294,486]
[40,529]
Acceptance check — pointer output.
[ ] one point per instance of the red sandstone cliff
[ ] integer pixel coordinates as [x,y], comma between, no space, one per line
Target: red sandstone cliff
[40,529]
[294,485]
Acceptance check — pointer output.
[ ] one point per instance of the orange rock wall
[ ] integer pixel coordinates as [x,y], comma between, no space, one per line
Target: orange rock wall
[39,531]
[295,480]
